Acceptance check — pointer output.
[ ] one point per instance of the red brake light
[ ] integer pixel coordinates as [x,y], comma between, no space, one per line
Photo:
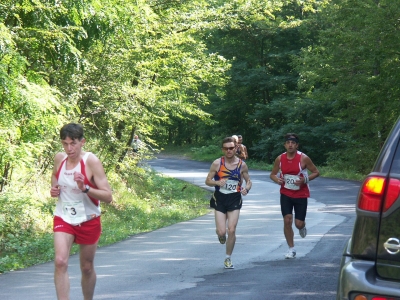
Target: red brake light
[364,297]
[392,193]
[371,194]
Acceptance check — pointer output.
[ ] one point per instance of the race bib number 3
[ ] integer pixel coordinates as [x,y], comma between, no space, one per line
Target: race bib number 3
[290,180]
[74,212]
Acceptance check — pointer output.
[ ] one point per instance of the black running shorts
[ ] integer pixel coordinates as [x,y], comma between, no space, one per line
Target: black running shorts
[298,204]
[226,202]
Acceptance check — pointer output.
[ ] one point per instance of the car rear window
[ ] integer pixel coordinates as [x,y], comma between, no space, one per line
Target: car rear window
[396,162]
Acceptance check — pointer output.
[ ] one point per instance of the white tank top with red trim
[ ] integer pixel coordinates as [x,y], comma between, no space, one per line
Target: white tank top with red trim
[74,206]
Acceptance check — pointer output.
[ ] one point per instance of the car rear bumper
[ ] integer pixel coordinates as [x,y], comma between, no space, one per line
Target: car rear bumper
[359,276]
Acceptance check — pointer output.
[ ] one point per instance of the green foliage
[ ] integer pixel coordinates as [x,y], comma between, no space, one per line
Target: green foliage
[161,201]
[143,201]
[353,68]
[306,117]
[35,46]
[258,165]
[174,72]
[206,153]
[119,68]
[260,39]
[24,232]
[188,73]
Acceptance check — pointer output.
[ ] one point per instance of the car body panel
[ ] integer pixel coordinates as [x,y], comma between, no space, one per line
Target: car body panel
[370,263]
[360,275]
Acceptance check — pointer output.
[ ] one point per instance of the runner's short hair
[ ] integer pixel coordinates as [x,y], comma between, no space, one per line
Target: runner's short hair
[292,136]
[228,139]
[72,130]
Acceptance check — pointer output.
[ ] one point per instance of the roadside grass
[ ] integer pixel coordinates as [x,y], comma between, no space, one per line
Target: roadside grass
[158,202]
[212,152]
[143,201]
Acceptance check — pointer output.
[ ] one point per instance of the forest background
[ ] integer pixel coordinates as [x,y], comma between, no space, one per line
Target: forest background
[185,73]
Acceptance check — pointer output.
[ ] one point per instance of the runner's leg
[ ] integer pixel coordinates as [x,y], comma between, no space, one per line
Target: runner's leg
[300,210]
[288,230]
[287,213]
[233,218]
[220,223]
[87,253]
[62,246]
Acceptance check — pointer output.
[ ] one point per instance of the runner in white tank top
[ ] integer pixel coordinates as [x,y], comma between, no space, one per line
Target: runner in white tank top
[80,183]
[73,206]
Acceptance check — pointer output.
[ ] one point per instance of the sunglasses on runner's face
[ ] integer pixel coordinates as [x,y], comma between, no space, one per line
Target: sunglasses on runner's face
[228,148]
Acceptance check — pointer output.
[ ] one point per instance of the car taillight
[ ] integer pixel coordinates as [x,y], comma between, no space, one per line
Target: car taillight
[371,194]
[392,193]
[366,297]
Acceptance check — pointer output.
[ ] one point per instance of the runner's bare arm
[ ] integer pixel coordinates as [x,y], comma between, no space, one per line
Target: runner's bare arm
[54,190]
[246,177]
[210,176]
[242,154]
[246,155]
[275,170]
[307,162]
[103,191]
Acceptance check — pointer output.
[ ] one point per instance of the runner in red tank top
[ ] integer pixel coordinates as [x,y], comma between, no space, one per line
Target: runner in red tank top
[294,178]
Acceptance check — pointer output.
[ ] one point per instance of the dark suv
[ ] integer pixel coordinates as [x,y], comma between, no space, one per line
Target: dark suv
[370,266]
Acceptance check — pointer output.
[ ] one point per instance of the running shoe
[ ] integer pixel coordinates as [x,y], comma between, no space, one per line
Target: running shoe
[290,254]
[303,231]
[222,239]
[228,264]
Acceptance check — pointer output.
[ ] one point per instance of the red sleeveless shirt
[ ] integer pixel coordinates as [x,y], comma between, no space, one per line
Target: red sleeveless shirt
[293,167]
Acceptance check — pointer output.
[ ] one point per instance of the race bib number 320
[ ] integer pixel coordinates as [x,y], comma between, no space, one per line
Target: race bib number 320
[290,180]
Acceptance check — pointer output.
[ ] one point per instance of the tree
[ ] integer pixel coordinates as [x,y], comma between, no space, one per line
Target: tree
[260,38]
[34,48]
[353,67]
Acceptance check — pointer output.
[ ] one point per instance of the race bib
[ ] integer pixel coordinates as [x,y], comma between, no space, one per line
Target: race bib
[229,187]
[74,212]
[290,180]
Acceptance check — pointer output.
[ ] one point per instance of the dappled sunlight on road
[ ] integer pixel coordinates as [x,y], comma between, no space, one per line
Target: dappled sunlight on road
[179,257]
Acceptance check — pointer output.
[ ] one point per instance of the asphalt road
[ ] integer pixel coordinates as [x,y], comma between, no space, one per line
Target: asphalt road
[185,260]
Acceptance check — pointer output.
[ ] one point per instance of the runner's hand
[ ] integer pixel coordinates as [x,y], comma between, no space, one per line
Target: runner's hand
[221,182]
[79,179]
[299,182]
[55,191]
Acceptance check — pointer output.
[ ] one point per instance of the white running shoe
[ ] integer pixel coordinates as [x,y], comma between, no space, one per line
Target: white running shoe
[228,263]
[290,254]
[303,231]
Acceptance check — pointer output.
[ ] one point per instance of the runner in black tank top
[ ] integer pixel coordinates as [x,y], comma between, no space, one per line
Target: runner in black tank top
[226,175]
